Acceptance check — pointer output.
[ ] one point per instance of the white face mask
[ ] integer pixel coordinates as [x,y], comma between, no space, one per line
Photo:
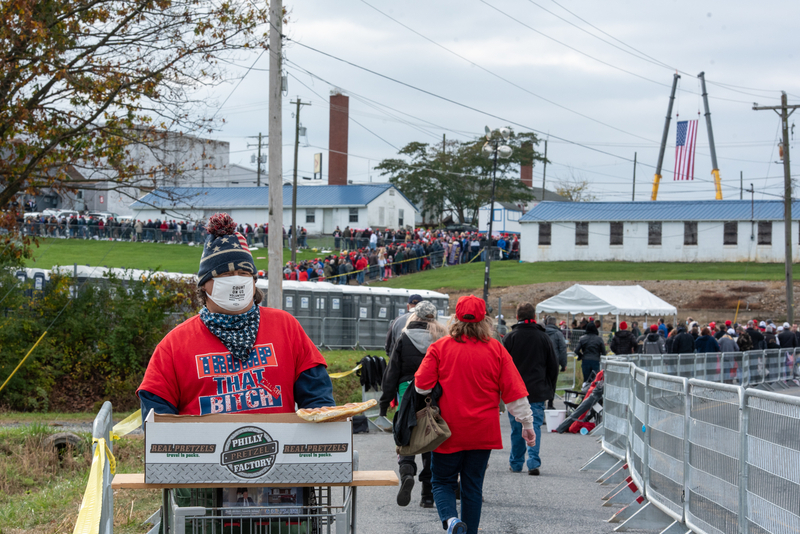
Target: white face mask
[233,293]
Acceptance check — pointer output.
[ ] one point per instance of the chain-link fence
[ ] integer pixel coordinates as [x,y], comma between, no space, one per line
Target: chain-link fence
[707,438]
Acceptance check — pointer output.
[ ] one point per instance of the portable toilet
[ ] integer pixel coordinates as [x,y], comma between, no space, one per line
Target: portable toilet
[290,296]
[40,279]
[303,310]
[263,285]
[22,276]
[333,323]
[383,311]
[362,302]
[347,337]
[326,320]
[440,300]
[400,301]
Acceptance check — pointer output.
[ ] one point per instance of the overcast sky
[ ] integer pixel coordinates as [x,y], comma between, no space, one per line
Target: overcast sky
[595,78]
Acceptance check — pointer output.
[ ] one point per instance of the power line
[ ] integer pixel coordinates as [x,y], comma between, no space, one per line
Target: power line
[455,102]
[239,83]
[501,77]
[531,28]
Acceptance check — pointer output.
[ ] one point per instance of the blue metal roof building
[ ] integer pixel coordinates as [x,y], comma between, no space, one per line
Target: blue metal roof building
[664,211]
[318,196]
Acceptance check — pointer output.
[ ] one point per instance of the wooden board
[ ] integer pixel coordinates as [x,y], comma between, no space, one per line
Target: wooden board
[360,479]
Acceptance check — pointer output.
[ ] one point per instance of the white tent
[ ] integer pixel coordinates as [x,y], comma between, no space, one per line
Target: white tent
[607,300]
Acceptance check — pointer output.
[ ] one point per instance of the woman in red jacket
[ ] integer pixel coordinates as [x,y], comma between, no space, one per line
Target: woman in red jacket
[475,372]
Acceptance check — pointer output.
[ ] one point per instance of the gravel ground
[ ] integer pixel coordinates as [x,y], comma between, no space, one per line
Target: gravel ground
[561,500]
[703,300]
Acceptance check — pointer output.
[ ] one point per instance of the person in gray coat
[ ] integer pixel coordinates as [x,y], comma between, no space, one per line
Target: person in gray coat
[559,347]
[559,343]
[727,343]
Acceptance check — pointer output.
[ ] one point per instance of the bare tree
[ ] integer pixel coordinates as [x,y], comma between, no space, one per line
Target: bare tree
[575,187]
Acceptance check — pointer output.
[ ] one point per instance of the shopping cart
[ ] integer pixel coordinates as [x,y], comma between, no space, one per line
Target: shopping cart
[322,511]
[202,510]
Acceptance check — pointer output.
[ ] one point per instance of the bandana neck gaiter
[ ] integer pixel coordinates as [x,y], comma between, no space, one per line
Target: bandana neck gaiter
[237,332]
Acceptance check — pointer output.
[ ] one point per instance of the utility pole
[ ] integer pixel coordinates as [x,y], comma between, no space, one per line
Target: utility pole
[657,178]
[633,194]
[715,167]
[787,196]
[260,159]
[544,169]
[275,292]
[294,178]
[741,185]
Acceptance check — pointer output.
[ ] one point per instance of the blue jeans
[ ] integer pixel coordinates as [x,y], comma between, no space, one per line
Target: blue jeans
[360,277]
[446,468]
[518,445]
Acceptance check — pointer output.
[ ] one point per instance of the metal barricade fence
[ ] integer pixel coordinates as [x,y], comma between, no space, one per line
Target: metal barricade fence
[712,496]
[339,332]
[665,439]
[714,456]
[616,400]
[637,455]
[101,428]
[772,469]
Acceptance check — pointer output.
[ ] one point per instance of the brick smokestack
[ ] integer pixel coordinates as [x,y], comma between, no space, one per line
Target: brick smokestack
[337,141]
[526,169]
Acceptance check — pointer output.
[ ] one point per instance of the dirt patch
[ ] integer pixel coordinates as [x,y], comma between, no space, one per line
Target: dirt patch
[703,300]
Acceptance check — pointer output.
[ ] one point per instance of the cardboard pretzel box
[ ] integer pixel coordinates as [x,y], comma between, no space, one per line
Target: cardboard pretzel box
[246,449]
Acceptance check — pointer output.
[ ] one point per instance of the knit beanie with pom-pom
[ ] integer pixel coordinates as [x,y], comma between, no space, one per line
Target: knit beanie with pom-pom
[225,250]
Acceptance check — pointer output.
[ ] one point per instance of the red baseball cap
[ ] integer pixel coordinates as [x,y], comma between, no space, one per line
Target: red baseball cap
[653,327]
[728,322]
[712,324]
[470,309]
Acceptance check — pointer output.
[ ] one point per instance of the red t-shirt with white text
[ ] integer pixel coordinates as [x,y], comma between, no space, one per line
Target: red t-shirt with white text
[193,370]
[474,376]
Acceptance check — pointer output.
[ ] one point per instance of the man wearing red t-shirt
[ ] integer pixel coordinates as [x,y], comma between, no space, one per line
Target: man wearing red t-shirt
[235,356]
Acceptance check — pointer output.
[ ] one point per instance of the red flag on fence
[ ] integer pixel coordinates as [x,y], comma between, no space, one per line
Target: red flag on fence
[684,150]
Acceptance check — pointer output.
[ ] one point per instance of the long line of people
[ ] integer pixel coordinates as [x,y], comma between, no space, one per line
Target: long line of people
[716,336]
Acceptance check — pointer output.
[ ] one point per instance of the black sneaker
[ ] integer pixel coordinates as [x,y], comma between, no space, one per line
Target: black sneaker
[426,501]
[534,472]
[404,495]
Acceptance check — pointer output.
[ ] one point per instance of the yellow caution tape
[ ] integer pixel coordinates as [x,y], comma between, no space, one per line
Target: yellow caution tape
[23,360]
[89,515]
[345,373]
[92,505]
[127,425]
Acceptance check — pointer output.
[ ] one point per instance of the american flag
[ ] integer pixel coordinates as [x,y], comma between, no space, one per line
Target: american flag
[684,150]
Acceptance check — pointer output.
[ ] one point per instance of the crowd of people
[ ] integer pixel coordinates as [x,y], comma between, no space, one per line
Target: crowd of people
[692,336]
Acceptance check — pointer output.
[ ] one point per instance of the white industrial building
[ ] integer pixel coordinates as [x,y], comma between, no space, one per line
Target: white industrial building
[166,159]
[668,231]
[320,208]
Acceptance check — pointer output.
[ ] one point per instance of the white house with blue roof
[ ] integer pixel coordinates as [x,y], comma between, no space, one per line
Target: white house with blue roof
[320,208]
[669,231]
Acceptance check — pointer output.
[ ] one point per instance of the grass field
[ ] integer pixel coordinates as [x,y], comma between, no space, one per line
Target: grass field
[510,273]
[172,258]
[185,259]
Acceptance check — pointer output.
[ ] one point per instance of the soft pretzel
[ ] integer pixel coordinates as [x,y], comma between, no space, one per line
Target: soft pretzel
[328,414]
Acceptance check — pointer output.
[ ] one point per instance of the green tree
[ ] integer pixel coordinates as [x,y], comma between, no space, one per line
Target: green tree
[460,177]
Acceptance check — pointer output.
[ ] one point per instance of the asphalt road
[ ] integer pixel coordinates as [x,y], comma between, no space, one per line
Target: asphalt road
[561,499]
